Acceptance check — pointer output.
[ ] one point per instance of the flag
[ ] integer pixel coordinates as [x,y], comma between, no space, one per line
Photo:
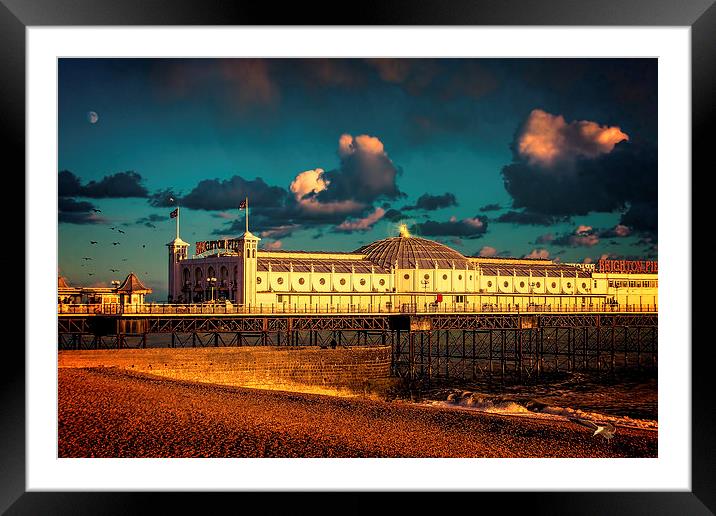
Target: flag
[242,205]
[174,213]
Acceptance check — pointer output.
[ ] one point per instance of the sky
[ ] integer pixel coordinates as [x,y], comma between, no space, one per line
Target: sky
[550,158]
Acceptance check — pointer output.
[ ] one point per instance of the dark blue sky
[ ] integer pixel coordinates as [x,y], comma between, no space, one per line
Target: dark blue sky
[503,156]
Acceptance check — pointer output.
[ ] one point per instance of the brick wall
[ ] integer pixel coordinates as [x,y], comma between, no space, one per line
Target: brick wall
[304,369]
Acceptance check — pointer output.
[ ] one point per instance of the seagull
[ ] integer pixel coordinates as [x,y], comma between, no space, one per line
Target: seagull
[93,241]
[144,245]
[86,258]
[115,243]
[90,273]
[114,270]
[124,259]
[120,231]
[607,430]
[96,210]
[112,229]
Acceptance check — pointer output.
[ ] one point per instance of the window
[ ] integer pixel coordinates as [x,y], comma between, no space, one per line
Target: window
[506,284]
[459,299]
[258,280]
[381,282]
[322,281]
[362,281]
[444,276]
[522,284]
[554,284]
[343,281]
[569,284]
[459,276]
[301,281]
[407,276]
[537,284]
[427,276]
[584,285]
[489,283]
[279,281]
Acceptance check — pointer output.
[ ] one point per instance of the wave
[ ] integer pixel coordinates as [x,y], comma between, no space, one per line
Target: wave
[504,405]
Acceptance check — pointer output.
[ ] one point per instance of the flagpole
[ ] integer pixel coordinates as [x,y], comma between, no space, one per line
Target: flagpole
[177,222]
[247,214]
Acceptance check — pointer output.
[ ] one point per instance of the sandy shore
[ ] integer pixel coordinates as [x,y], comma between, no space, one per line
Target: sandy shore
[111,413]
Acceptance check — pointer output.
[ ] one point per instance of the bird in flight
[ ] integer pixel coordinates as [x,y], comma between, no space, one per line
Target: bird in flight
[144,245]
[112,229]
[93,241]
[114,270]
[115,243]
[607,430]
[120,231]
[124,259]
[90,274]
[96,210]
[86,258]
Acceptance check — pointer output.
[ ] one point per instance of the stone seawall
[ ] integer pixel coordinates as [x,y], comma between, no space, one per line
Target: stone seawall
[355,370]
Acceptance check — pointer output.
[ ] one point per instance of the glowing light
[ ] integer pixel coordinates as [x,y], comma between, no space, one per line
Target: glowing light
[403,228]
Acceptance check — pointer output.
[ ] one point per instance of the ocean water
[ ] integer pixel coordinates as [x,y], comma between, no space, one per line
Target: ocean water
[625,398]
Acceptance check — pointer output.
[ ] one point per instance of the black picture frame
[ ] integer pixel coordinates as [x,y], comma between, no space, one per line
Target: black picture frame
[699,15]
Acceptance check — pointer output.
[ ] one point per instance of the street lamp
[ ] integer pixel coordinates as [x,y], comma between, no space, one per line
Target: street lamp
[212,282]
[425,283]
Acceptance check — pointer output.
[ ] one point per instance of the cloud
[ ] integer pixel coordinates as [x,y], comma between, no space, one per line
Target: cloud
[490,207]
[272,246]
[546,139]
[527,218]
[365,175]
[542,254]
[280,231]
[250,82]
[590,168]
[308,184]
[545,239]
[149,220]
[393,215]
[473,227]
[71,211]
[217,194]
[618,231]
[68,184]
[487,251]
[582,236]
[433,202]
[364,224]
[166,198]
[114,186]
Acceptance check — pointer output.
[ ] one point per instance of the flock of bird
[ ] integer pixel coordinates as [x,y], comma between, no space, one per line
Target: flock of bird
[95,242]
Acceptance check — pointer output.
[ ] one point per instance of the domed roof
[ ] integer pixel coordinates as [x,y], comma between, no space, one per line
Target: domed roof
[410,251]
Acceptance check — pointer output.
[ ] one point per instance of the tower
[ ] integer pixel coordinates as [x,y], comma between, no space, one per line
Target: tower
[247,292]
[177,253]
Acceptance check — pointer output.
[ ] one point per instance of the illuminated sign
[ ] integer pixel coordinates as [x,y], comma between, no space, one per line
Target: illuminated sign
[629,266]
[212,245]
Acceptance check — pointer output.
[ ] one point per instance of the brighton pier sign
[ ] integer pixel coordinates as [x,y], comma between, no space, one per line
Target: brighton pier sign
[629,266]
[233,244]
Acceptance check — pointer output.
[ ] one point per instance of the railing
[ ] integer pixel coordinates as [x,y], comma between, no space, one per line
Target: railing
[443,308]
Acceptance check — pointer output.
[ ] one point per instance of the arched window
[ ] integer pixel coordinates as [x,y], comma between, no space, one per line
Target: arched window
[187,275]
[198,275]
[211,274]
